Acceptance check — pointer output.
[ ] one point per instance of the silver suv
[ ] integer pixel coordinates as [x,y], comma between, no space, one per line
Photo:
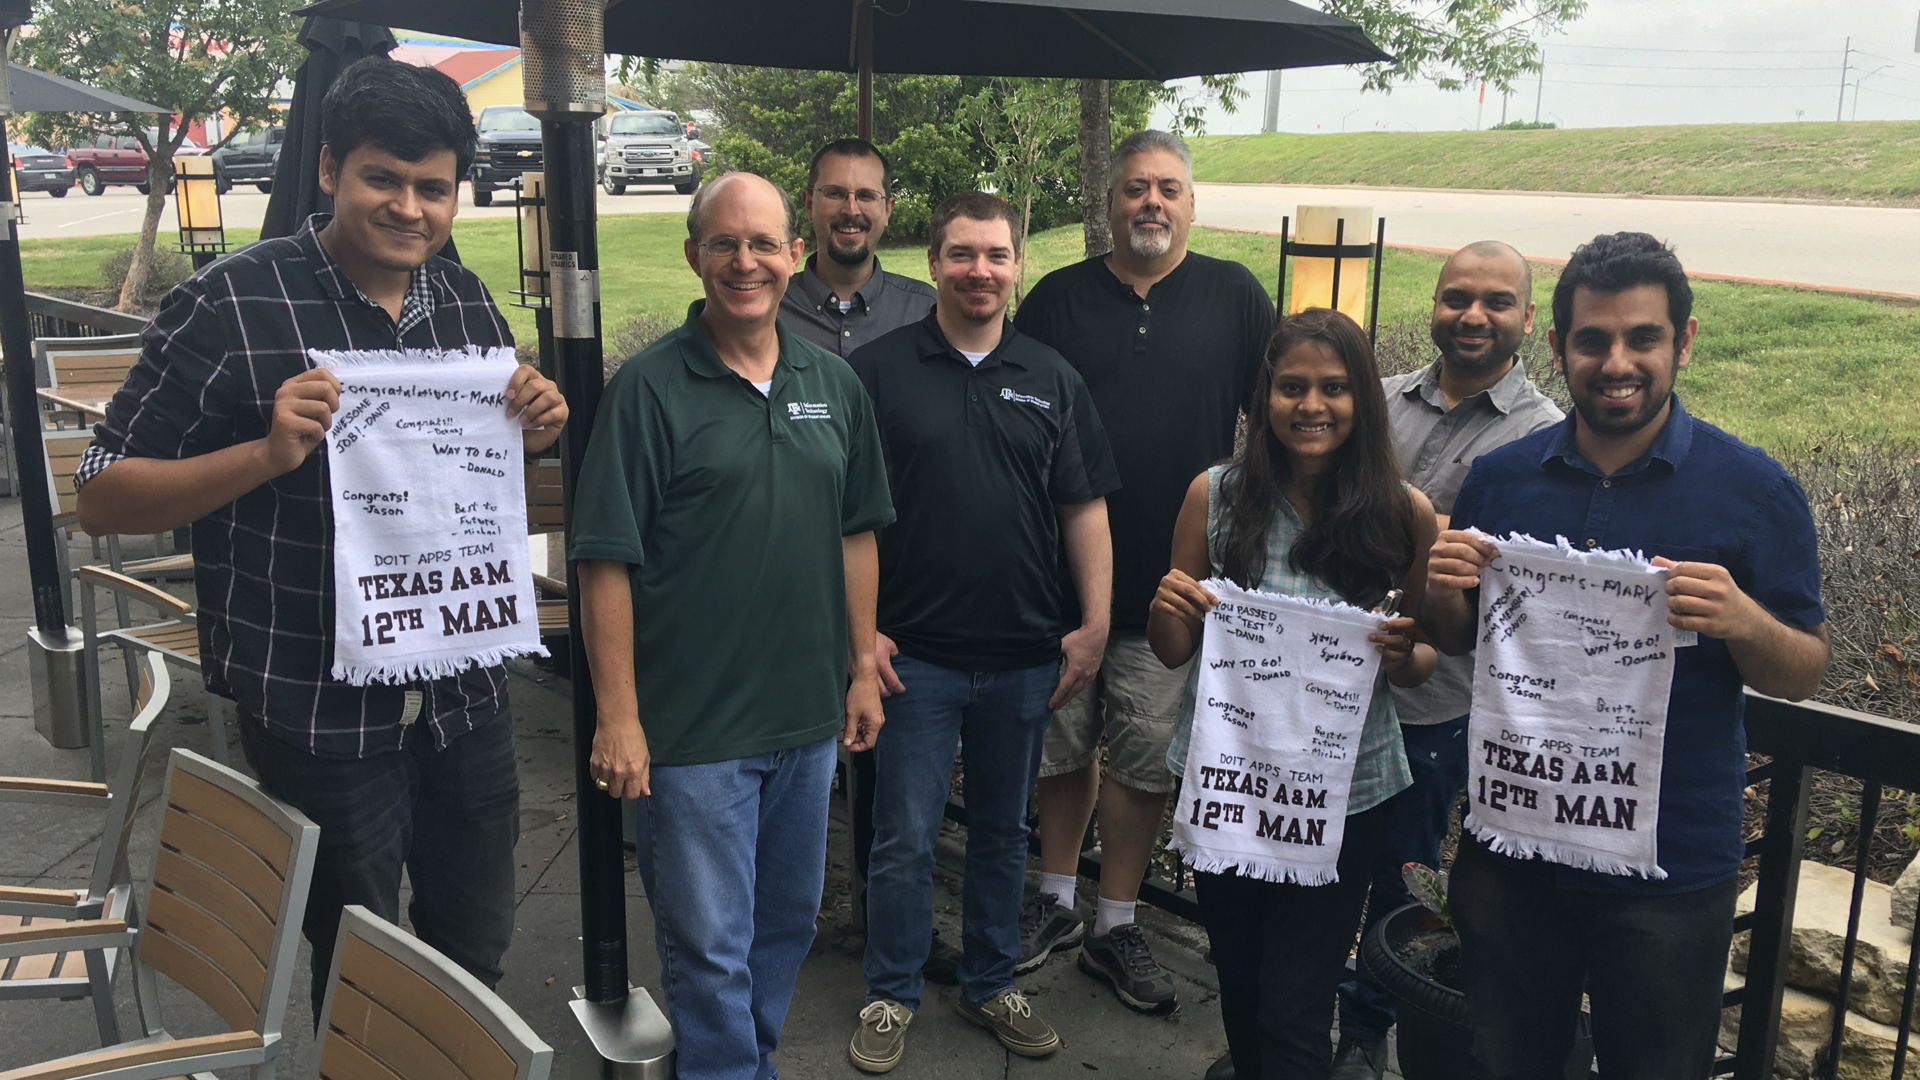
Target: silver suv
[647,148]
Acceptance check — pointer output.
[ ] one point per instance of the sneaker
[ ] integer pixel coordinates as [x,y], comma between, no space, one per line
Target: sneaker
[1356,1060]
[1011,1020]
[943,963]
[881,1037]
[1122,958]
[1045,928]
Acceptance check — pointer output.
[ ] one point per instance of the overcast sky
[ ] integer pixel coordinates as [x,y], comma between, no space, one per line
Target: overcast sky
[1633,62]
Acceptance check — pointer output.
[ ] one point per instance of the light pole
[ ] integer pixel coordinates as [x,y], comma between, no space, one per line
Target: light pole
[1343,121]
[1855,115]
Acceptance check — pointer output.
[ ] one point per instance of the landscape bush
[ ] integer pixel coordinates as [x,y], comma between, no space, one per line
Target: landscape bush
[165,269]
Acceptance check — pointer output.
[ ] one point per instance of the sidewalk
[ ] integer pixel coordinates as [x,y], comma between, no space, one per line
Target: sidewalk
[42,848]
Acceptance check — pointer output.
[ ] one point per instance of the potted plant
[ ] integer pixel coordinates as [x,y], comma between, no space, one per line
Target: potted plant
[1415,954]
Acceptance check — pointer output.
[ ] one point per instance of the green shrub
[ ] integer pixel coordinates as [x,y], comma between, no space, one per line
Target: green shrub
[165,269]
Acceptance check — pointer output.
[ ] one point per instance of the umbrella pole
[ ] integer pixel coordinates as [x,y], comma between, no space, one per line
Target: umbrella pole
[863,63]
[36,501]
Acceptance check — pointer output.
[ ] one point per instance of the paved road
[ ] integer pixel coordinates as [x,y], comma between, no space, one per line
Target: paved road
[1840,246]
[119,210]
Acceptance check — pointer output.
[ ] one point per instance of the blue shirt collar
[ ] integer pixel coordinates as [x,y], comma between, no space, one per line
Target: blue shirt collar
[1669,447]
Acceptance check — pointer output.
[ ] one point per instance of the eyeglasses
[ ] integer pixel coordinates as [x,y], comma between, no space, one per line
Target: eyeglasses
[724,247]
[864,196]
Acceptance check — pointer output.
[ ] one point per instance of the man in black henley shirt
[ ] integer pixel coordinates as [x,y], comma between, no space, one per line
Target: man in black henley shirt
[1168,342]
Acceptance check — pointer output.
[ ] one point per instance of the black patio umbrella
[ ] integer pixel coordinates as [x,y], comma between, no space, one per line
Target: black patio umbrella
[1083,39]
[39,91]
[331,44]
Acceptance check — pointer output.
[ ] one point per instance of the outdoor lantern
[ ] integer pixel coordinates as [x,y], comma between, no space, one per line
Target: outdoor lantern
[1329,267]
[196,196]
[530,208]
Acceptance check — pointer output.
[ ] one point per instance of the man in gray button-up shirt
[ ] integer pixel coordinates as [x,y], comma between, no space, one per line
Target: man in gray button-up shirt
[1474,398]
[846,301]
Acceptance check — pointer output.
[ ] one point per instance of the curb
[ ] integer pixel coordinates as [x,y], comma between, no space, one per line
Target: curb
[1853,204]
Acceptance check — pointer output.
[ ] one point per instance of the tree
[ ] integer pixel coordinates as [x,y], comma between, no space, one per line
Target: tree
[1025,125]
[199,58]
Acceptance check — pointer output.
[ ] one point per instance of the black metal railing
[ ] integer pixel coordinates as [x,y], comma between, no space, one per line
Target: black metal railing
[54,317]
[1800,738]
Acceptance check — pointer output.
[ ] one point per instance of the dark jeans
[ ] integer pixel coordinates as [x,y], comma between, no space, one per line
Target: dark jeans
[450,817]
[998,721]
[1652,966]
[1416,823]
[1280,951]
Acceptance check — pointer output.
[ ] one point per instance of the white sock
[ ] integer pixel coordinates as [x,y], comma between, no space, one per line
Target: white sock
[1060,885]
[1112,913]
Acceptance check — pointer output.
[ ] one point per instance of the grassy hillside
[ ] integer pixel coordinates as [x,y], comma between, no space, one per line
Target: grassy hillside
[1877,161]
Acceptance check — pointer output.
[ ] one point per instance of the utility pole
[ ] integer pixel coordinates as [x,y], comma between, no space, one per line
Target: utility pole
[1540,87]
[1503,108]
[1270,123]
[1839,111]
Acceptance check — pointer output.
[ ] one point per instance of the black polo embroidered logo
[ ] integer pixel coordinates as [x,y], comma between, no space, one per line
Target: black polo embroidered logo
[808,410]
[1007,394]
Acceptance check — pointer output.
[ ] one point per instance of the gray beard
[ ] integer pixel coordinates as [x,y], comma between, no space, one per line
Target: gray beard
[1149,246]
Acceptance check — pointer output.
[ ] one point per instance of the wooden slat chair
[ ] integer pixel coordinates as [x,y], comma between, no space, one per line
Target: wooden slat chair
[397,1009]
[83,367]
[109,895]
[223,918]
[176,639]
[546,515]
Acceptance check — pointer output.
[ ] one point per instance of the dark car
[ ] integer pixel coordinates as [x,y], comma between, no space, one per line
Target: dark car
[250,159]
[41,170]
[509,146]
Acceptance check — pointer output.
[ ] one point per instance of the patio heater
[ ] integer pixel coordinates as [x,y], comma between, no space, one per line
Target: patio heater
[1328,271]
[54,648]
[534,294]
[196,202]
[564,58]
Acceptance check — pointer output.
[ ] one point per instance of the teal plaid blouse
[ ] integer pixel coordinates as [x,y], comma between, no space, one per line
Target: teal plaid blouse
[1380,772]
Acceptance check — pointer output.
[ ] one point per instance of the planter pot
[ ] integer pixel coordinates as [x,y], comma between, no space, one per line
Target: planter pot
[1435,1039]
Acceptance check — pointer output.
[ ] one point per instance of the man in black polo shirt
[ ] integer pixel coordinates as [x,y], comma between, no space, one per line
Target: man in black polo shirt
[845,301]
[1168,342]
[997,459]
[217,425]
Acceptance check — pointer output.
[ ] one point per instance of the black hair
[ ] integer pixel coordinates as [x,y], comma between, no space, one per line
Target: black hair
[1615,263]
[407,111]
[1361,539]
[975,206]
[851,148]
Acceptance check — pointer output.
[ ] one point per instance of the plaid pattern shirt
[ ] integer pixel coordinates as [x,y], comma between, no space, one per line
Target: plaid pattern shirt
[1380,771]
[209,365]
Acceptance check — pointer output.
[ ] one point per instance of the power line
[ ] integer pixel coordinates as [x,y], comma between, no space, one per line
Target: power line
[1698,86]
[1697,52]
[1691,67]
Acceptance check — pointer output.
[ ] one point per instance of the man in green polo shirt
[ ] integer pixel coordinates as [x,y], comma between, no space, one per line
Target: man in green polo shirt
[724,526]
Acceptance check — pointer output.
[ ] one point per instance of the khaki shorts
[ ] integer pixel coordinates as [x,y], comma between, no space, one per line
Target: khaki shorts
[1133,703]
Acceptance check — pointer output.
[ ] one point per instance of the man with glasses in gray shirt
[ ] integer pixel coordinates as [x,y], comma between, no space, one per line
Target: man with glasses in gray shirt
[1475,398]
[845,300]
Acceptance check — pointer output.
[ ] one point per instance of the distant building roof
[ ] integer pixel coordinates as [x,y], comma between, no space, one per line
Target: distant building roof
[471,67]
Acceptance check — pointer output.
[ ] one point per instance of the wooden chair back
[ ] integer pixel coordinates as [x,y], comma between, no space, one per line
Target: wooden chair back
[397,1009]
[545,513]
[229,889]
[61,451]
[72,363]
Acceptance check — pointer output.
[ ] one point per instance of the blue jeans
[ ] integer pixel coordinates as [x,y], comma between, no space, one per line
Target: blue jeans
[999,719]
[1416,823]
[733,855]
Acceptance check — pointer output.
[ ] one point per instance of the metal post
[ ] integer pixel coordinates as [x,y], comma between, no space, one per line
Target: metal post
[1339,242]
[562,46]
[1839,111]
[1373,305]
[1270,122]
[1286,237]
[1540,86]
[863,61]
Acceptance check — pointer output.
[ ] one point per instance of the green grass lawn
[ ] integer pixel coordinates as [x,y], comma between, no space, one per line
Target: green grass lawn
[1876,161]
[1778,367]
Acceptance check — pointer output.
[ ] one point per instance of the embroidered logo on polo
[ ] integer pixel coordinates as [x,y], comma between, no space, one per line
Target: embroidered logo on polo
[808,410]
[1007,394]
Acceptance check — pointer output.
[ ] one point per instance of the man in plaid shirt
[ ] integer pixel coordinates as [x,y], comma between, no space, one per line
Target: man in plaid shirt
[216,426]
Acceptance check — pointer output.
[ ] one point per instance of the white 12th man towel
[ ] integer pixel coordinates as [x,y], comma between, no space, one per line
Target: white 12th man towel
[1283,691]
[430,573]
[1573,666]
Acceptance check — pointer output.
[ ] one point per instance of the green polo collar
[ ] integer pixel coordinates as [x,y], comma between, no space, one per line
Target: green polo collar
[702,360]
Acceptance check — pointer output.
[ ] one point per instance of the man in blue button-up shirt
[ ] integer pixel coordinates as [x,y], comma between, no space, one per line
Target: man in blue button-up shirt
[1631,469]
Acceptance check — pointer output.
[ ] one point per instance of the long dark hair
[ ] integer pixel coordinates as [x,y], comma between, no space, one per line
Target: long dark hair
[1361,538]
